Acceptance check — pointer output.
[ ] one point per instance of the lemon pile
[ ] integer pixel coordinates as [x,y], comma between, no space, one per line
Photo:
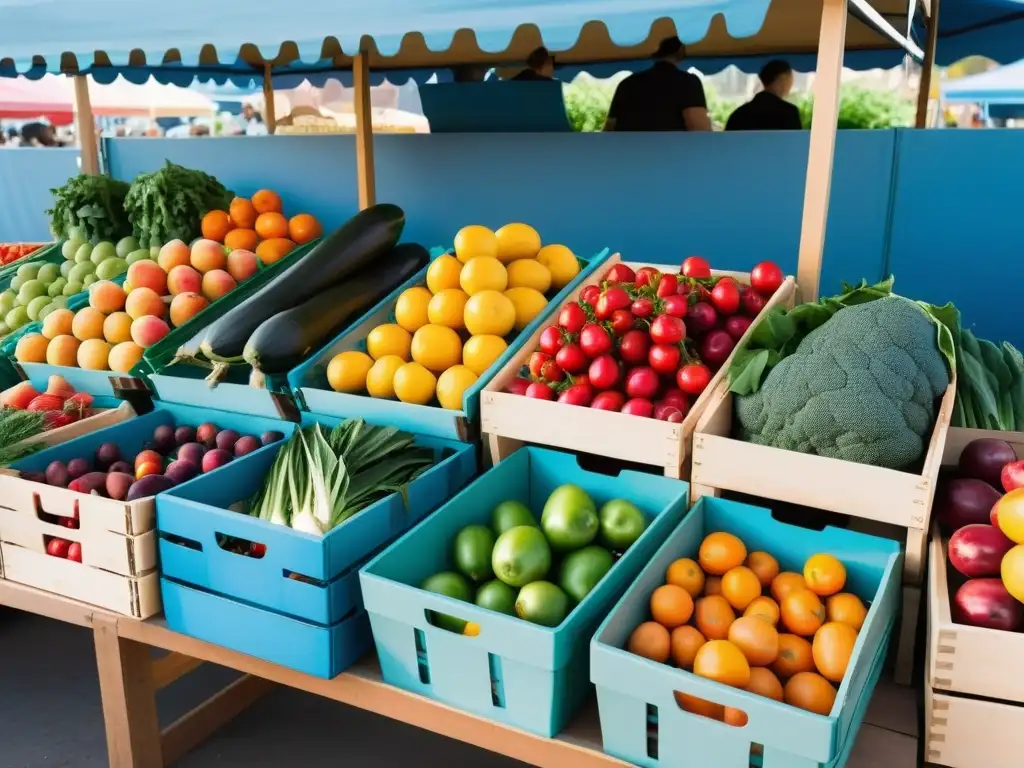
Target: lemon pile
[448,333]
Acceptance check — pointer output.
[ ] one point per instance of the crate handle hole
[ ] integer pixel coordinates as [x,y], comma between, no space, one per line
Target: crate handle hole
[453,624]
[695,705]
[244,547]
[181,541]
[53,519]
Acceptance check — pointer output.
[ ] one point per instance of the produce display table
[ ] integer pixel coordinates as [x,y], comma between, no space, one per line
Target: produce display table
[129,677]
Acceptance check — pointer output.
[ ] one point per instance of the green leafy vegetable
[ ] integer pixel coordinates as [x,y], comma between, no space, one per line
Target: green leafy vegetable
[990,385]
[170,204]
[16,426]
[92,204]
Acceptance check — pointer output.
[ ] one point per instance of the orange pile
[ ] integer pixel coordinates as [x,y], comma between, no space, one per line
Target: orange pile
[732,617]
[259,225]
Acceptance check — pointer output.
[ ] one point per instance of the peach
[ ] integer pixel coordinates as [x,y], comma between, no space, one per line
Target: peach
[62,350]
[144,301]
[242,264]
[92,355]
[217,283]
[106,296]
[58,323]
[184,279]
[147,274]
[207,255]
[117,328]
[173,254]
[185,306]
[148,330]
[88,324]
[124,356]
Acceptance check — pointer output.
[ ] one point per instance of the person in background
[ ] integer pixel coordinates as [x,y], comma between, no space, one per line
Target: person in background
[469,73]
[662,98]
[38,135]
[769,110]
[540,65]
[13,137]
[256,126]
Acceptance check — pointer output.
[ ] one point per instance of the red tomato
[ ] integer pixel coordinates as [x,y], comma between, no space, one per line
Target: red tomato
[518,386]
[667,329]
[621,321]
[675,305]
[752,301]
[571,358]
[590,295]
[667,412]
[540,391]
[693,378]
[551,340]
[646,276]
[58,547]
[610,300]
[664,358]
[257,550]
[674,396]
[668,286]
[638,406]
[608,401]
[604,372]
[695,266]
[581,378]
[726,296]
[577,394]
[572,317]
[594,340]
[765,278]
[642,308]
[551,372]
[536,363]
[642,382]
[634,346]
[620,273]
[75,552]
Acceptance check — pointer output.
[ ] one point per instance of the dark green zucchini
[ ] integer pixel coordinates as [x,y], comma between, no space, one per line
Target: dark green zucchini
[360,242]
[284,341]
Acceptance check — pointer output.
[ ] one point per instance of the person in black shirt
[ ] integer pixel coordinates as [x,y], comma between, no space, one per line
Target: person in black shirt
[769,110]
[539,66]
[662,98]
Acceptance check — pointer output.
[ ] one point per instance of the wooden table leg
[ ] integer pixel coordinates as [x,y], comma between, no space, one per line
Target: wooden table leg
[129,698]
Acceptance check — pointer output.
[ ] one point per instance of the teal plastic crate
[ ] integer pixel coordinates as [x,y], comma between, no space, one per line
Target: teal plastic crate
[309,380]
[640,719]
[521,674]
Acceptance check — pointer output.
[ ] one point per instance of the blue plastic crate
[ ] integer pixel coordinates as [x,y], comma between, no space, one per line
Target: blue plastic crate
[309,381]
[640,719]
[184,383]
[526,675]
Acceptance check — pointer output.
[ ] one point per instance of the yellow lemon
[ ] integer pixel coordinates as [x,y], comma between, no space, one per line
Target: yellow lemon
[436,347]
[388,339]
[414,384]
[380,380]
[347,371]
[517,241]
[491,313]
[528,303]
[529,273]
[443,273]
[452,384]
[483,274]
[447,306]
[480,352]
[475,241]
[561,262]
[411,308]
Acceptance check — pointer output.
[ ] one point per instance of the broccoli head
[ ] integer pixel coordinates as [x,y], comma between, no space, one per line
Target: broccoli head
[862,387]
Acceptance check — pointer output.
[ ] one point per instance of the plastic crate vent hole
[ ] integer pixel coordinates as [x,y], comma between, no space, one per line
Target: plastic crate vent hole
[652,731]
[497,683]
[421,656]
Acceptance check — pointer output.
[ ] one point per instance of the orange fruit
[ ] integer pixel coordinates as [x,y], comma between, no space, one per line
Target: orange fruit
[273,250]
[216,225]
[713,616]
[271,225]
[243,214]
[795,656]
[685,642]
[723,662]
[671,606]
[31,348]
[242,240]
[802,612]
[785,583]
[765,608]
[650,640]
[267,201]
[698,706]
[740,586]
[685,573]
[844,607]
[734,717]
[764,565]
[810,691]
[304,228]
[832,648]
[712,585]
[763,682]
[756,638]
[824,575]
[720,552]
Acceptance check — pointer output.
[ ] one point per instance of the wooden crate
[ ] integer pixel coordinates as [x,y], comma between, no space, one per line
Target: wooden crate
[972,733]
[510,420]
[99,419]
[119,546]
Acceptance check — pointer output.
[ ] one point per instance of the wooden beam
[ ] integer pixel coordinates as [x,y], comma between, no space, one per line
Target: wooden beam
[928,67]
[364,132]
[171,667]
[64,609]
[196,726]
[85,126]
[269,110]
[831,44]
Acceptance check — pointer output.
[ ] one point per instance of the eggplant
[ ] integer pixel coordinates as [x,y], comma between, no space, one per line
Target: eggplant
[356,244]
[283,341]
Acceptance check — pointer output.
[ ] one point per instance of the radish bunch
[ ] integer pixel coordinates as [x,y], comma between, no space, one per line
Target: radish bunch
[645,343]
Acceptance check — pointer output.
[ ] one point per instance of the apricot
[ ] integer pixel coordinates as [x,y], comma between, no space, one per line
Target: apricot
[31,348]
[63,350]
[184,279]
[148,330]
[92,355]
[242,264]
[107,296]
[185,306]
[207,255]
[117,328]
[144,301]
[173,254]
[88,324]
[58,323]
[148,274]
[124,356]
[217,283]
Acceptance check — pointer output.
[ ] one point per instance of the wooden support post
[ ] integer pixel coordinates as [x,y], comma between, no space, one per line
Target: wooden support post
[364,132]
[928,66]
[85,125]
[269,111]
[831,44]
[128,698]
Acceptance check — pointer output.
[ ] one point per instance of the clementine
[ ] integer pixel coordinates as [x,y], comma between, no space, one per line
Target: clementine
[795,656]
[734,717]
[304,228]
[685,573]
[216,225]
[671,606]
[712,586]
[740,586]
[846,608]
[720,552]
[785,583]
[764,683]
[756,638]
[267,201]
[713,616]
[723,662]
[650,640]
[810,691]
[243,214]
[764,565]
[697,706]
[271,225]
[824,575]
[241,240]
[685,642]
[764,608]
[270,251]
[832,648]
[802,612]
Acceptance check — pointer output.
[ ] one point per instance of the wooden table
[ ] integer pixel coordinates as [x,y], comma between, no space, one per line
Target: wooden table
[130,676]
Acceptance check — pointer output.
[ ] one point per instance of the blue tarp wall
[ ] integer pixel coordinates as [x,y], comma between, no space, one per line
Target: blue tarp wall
[939,209]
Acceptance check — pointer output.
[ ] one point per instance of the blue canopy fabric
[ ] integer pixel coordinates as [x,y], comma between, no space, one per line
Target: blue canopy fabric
[991,28]
[1003,85]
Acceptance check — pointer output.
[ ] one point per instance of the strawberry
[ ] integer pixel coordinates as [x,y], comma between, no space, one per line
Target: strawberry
[46,403]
